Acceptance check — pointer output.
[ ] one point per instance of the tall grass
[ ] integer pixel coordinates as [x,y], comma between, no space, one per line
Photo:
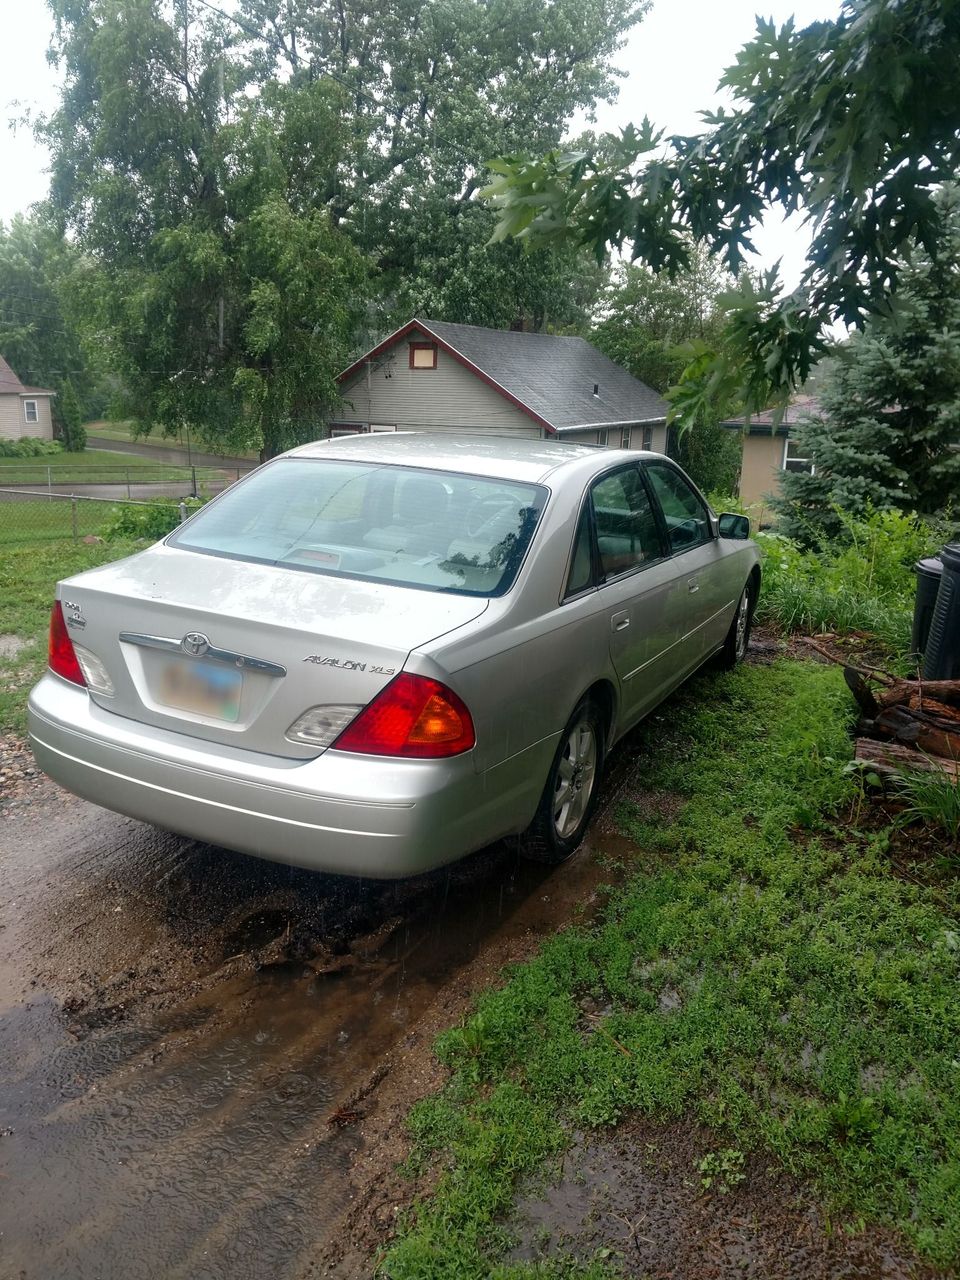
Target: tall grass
[866,584]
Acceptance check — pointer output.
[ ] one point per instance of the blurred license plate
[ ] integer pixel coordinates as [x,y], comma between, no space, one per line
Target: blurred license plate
[201,687]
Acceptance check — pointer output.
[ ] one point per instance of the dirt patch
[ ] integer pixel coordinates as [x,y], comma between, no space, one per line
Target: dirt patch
[10,646]
[639,1193]
[19,775]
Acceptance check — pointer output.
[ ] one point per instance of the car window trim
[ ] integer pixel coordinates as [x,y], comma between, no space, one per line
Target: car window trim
[671,552]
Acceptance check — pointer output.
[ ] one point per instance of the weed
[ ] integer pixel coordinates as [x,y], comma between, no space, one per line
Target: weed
[722,1170]
[932,797]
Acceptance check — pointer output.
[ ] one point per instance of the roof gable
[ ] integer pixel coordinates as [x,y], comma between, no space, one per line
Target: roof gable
[10,384]
[550,378]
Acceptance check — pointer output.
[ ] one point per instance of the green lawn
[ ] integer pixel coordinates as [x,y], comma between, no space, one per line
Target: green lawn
[104,430]
[96,466]
[28,577]
[88,458]
[770,976]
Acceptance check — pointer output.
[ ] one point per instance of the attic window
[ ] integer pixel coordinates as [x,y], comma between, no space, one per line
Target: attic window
[423,355]
[596,389]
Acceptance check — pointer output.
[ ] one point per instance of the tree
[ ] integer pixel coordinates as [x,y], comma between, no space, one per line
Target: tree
[889,422]
[187,137]
[856,121]
[38,336]
[431,91]
[649,324]
[226,301]
[71,419]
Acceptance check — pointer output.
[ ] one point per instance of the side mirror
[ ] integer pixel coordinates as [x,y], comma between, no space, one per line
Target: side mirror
[734,526]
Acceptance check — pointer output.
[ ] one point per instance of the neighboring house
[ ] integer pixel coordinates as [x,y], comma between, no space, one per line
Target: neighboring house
[430,376]
[24,411]
[768,451]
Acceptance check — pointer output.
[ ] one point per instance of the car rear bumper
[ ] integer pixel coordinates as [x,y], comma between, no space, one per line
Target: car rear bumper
[348,814]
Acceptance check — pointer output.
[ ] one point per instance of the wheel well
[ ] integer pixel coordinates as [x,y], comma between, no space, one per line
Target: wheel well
[604,695]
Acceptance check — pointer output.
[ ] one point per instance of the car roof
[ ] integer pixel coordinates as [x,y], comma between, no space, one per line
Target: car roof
[503,457]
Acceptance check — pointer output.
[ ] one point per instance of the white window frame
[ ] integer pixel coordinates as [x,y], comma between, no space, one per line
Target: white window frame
[807,465]
[34,405]
[625,436]
[647,441]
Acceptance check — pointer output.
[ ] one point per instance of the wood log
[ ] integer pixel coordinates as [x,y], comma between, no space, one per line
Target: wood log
[916,730]
[890,758]
[940,711]
[943,690]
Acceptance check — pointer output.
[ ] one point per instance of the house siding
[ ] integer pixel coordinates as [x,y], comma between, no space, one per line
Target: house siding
[760,472]
[447,398]
[13,426]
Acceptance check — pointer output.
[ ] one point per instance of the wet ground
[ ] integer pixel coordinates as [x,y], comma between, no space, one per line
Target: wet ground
[187,1035]
[206,1061]
[639,1195]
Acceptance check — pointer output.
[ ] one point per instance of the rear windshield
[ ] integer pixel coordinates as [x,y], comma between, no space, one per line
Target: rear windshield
[401,525]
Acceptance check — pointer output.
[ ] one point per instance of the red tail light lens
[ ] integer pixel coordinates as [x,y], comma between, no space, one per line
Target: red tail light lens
[62,659]
[412,717]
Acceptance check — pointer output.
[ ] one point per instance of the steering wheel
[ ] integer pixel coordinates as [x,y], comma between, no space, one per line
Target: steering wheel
[486,510]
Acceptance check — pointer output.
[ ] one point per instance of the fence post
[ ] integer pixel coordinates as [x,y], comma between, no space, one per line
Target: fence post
[193,472]
[128,481]
[49,482]
[73,513]
[183,512]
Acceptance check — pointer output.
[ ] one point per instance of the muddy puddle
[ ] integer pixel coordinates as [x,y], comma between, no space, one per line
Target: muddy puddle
[188,1036]
[637,1197]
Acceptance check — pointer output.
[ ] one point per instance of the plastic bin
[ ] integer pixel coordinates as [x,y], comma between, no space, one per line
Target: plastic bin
[928,573]
[941,659]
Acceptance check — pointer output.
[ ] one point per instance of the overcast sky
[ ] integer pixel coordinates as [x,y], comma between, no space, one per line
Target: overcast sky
[673,61]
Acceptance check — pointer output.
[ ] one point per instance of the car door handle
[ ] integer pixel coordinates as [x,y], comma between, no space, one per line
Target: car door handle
[693,584]
[620,621]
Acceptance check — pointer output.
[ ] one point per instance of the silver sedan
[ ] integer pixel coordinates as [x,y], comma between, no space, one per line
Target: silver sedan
[377,654]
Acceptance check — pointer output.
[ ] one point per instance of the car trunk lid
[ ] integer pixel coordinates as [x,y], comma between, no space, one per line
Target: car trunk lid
[236,652]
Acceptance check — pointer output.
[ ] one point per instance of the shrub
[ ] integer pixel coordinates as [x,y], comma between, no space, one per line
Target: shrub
[148,520]
[29,447]
[864,584]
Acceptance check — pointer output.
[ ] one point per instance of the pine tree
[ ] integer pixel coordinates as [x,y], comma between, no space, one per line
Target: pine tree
[887,432]
[71,419]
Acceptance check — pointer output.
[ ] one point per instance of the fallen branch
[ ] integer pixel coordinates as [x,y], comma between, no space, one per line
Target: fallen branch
[894,759]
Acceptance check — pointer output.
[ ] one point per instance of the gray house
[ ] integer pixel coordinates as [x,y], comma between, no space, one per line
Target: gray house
[24,411]
[432,376]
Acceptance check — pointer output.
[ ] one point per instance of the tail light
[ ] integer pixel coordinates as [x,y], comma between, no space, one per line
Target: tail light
[412,717]
[62,656]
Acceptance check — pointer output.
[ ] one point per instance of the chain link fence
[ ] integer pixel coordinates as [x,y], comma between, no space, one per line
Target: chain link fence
[34,515]
[46,503]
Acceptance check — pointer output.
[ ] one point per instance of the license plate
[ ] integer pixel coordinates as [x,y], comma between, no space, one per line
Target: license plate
[201,687]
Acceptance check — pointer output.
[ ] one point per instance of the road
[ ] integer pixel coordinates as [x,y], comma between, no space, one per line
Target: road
[185,1033]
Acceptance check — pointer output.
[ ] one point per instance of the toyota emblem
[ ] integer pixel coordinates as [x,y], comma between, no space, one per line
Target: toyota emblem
[195,643]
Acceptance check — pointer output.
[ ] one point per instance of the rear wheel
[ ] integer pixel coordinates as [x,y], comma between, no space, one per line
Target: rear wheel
[738,637]
[570,794]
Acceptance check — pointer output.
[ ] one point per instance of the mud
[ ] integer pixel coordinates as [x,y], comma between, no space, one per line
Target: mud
[639,1196]
[189,1038]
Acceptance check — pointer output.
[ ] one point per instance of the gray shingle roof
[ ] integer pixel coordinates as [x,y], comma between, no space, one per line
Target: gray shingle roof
[554,376]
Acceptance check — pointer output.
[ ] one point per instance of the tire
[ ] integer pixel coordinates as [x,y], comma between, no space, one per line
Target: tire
[738,637]
[570,794]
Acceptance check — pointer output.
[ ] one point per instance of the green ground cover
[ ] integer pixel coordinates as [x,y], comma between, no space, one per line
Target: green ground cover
[812,1012]
[98,466]
[28,577]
